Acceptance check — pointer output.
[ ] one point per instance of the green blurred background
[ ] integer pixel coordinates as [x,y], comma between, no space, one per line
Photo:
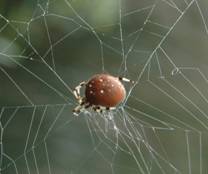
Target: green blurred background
[49,47]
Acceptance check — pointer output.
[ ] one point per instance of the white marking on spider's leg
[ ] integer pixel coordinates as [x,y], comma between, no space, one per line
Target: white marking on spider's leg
[81,107]
[82,101]
[77,90]
[76,111]
[98,109]
[107,108]
[125,80]
[75,94]
[101,109]
[110,108]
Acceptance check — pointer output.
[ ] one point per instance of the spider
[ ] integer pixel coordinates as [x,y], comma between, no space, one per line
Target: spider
[102,92]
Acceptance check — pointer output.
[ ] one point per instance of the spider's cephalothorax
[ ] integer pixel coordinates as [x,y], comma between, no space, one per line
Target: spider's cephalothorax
[102,91]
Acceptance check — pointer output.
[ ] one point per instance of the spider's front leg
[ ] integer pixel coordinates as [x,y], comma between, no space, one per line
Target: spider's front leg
[81,107]
[76,111]
[77,92]
[123,79]
[81,100]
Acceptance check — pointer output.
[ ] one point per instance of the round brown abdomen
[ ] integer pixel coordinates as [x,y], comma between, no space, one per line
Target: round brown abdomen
[104,90]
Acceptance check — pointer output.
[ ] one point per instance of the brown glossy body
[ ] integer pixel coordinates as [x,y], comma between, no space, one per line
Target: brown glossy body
[104,90]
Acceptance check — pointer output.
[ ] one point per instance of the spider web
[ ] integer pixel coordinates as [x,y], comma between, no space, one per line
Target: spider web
[162,125]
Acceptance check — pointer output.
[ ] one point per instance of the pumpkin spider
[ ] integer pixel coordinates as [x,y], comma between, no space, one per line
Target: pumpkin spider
[102,92]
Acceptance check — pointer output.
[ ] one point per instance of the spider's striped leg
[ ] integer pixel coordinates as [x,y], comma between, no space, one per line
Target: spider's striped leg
[82,105]
[97,109]
[80,108]
[77,91]
[123,79]
[110,108]
[82,101]
[101,109]
[87,105]
[76,111]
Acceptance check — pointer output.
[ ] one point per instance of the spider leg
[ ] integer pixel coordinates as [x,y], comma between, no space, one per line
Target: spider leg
[78,109]
[110,108]
[82,101]
[97,109]
[77,91]
[101,109]
[123,79]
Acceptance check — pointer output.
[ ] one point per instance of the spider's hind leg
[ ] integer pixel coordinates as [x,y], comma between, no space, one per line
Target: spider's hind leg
[123,79]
